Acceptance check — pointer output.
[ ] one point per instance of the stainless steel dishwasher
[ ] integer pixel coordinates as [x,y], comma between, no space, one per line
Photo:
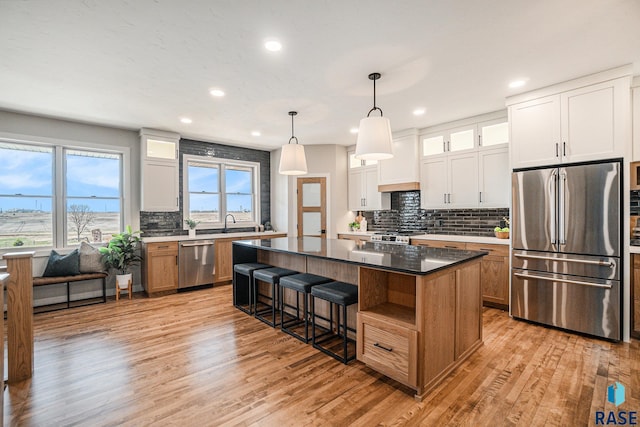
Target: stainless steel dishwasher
[196,266]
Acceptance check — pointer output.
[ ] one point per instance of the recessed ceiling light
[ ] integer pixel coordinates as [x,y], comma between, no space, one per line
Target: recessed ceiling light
[517,83]
[216,92]
[418,111]
[273,45]
[186,120]
[354,130]
[255,133]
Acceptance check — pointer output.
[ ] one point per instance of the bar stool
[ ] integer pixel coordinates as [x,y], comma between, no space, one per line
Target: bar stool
[344,295]
[269,275]
[242,297]
[302,284]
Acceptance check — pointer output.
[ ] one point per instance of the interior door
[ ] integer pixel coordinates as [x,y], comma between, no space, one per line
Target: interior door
[312,207]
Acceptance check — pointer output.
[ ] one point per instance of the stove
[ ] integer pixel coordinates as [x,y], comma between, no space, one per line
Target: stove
[393,237]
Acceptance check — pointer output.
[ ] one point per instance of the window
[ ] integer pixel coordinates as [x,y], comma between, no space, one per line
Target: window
[217,187]
[46,202]
[93,204]
[26,195]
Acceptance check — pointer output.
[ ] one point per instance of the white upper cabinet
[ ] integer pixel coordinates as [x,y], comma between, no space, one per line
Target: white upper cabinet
[493,134]
[160,171]
[585,119]
[403,168]
[362,193]
[494,178]
[466,165]
[535,132]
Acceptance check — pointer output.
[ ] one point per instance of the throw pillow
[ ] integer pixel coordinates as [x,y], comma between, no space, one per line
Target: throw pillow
[62,265]
[90,259]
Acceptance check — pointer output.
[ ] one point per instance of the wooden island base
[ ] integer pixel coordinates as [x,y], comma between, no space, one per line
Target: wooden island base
[413,328]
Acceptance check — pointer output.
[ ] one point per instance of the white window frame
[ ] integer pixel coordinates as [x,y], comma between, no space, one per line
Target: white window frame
[59,231]
[222,164]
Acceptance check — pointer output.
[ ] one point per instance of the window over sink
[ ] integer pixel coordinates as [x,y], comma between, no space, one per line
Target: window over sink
[216,187]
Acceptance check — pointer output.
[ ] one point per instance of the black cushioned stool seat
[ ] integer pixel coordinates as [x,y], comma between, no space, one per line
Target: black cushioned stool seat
[269,275]
[302,284]
[243,296]
[344,295]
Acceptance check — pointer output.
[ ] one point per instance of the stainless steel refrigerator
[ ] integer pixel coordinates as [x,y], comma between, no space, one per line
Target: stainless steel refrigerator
[566,237]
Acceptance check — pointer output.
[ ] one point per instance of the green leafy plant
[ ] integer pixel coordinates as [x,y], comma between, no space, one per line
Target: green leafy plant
[503,229]
[191,223]
[122,251]
[18,242]
[354,225]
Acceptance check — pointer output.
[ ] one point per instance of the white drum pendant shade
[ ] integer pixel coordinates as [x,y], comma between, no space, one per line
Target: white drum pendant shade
[293,160]
[374,140]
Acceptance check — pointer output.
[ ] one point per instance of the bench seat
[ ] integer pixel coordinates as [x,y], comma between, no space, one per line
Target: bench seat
[42,281]
[37,281]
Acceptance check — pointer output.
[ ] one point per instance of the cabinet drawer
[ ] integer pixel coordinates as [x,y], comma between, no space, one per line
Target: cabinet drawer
[162,247]
[389,349]
[439,244]
[495,250]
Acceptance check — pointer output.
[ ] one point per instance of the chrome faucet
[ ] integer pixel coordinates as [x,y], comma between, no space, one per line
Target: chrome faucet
[225,221]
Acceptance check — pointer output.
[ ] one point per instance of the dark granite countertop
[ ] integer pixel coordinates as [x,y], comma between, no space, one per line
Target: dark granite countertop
[419,260]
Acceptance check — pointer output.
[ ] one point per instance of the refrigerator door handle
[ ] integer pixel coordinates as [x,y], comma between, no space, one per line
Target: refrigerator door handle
[561,226]
[552,206]
[556,279]
[580,261]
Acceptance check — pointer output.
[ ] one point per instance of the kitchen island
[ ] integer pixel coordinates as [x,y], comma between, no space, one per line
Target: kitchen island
[419,312]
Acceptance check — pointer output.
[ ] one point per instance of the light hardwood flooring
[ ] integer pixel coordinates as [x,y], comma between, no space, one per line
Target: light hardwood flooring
[193,359]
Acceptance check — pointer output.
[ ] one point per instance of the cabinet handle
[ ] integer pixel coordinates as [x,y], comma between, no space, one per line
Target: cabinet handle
[564,148]
[486,249]
[177,202]
[448,145]
[450,247]
[448,197]
[479,140]
[556,149]
[444,146]
[389,349]
[445,197]
[176,259]
[481,197]
[163,247]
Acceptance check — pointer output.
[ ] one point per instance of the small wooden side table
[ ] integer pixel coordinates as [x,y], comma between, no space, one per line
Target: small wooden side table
[129,289]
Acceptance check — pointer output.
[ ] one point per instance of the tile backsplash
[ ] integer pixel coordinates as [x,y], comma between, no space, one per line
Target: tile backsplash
[406,215]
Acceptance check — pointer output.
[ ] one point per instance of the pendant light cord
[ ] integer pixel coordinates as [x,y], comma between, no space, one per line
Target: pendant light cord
[374,77]
[293,113]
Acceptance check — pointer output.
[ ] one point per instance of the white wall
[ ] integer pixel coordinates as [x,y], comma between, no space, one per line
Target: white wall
[322,160]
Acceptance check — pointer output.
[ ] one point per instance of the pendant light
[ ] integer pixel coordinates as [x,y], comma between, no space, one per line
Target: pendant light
[292,158]
[374,135]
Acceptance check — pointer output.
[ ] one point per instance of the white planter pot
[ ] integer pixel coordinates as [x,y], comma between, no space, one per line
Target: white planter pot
[123,280]
[192,233]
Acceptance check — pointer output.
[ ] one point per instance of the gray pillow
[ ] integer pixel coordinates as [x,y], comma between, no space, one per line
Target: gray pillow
[62,265]
[90,259]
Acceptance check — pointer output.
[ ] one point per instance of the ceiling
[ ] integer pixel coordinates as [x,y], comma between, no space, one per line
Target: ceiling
[147,63]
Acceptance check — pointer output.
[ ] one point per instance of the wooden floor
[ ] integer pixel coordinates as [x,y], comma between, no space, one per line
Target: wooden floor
[192,359]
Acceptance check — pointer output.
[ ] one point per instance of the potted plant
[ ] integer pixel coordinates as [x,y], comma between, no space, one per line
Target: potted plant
[502,232]
[121,253]
[354,226]
[192,227]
